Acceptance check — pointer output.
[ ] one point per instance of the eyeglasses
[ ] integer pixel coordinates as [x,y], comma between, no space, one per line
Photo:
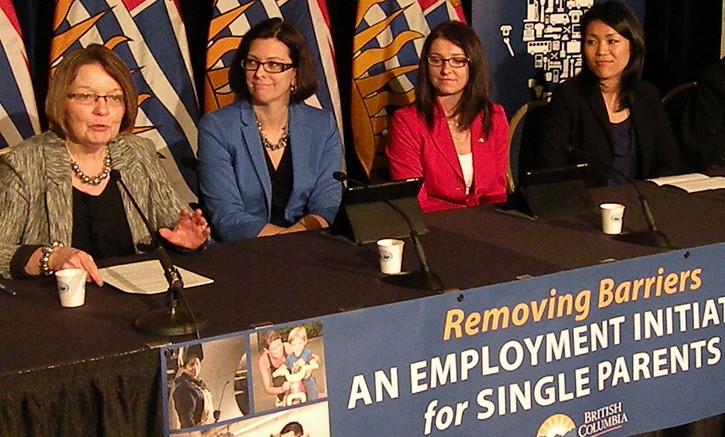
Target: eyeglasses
[455,62]
[269,66]
[91,98]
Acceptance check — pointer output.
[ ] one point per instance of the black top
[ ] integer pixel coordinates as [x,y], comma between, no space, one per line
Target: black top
[100,226]
[624,151]
[578,130]
[189,400]
[281,180]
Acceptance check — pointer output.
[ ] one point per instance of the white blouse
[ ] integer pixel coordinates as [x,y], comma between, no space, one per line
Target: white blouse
[466,161]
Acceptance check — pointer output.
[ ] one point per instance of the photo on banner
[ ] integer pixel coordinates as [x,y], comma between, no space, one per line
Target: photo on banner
[206,382]
[289,366]
[309,420]
[253,384]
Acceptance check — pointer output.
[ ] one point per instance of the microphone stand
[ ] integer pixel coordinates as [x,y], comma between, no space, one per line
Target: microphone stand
[423,279]
[653,236]
[218,411]
[169,321]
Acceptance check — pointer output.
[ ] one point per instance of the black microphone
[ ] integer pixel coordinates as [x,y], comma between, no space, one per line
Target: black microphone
[423,279]
[218,411]
[651,237]
[168,321]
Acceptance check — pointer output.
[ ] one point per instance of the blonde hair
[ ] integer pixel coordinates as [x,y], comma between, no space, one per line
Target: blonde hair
[297,332]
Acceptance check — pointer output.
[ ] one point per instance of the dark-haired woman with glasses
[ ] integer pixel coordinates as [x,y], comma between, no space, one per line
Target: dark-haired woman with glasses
[266,160]
[59,207]
[453,135]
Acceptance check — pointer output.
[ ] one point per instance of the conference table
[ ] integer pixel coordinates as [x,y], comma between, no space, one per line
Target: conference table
[86,371]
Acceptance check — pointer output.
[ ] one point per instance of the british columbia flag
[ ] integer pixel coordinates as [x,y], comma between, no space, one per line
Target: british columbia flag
[233,18]
[18,112]
[150,37]
[389,36]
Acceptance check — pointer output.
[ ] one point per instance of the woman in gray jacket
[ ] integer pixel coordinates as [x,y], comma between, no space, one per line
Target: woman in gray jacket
[58,205]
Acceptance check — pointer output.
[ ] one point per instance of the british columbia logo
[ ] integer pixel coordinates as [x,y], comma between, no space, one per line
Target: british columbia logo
[594,423]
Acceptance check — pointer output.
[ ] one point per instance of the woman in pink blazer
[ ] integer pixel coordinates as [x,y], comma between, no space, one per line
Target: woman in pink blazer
[453,135]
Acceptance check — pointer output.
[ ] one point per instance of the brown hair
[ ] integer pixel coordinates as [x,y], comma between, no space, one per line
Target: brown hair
[66,73]
[476,95]
[289,35]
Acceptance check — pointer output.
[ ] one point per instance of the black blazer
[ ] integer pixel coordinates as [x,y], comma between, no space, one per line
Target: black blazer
[578,119]
[703,121]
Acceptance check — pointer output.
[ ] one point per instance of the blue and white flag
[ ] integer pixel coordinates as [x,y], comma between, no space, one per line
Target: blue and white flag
[389,36]
[150,37]
[233,18]
[18,112]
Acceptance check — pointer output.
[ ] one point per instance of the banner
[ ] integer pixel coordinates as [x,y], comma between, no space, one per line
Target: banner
[532,45]
[18,112]
[618,349]
[150,37]
[389,36]
[231,19]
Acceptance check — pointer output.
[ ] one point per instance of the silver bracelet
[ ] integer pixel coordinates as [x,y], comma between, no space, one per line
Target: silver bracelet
[45,257]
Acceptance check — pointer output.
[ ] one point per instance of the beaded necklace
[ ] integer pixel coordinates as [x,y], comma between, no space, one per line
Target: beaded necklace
[282,141]
[92,180]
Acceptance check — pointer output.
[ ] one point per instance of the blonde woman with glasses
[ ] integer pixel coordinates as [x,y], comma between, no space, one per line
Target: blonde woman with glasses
[59,207]
[452,136]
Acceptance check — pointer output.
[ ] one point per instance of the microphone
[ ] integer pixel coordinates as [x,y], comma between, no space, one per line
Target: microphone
[218,411]
[423,279]
[169,321]
[651,237]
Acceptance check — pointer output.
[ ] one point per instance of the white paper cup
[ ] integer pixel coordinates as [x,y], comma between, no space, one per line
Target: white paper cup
[391,255]
[612,217]
[71,287]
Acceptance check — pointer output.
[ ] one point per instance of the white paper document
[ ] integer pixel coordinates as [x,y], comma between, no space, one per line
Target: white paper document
[692,182]
[147,277]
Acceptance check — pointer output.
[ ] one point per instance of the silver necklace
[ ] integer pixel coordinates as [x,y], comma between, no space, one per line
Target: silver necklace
[282,141]
[92,180]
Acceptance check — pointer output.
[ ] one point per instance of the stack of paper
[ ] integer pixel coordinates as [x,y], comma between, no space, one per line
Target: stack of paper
[692,182]
[147,277]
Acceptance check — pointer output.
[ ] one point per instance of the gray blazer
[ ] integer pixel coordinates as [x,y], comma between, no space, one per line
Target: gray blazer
[36,193]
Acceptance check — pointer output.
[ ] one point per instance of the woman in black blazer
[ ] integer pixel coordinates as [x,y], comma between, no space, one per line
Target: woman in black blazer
[606,115]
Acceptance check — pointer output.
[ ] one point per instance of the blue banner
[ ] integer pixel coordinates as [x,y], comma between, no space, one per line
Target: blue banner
[620,348]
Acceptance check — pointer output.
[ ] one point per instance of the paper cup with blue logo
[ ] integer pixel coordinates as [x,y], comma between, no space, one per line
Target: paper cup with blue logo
[391,255]
[71,287]
[612,217]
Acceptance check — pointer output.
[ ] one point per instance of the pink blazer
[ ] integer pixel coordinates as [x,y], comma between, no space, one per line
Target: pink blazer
[413,150]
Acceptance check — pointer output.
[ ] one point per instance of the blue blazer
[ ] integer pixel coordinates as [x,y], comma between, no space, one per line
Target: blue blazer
[234,182]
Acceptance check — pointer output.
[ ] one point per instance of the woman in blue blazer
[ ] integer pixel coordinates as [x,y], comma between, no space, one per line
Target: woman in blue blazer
[607,115]
[266,161]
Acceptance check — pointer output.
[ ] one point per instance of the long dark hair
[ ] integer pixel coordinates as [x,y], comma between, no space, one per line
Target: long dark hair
[620,18]
[289,35]
[477,92]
